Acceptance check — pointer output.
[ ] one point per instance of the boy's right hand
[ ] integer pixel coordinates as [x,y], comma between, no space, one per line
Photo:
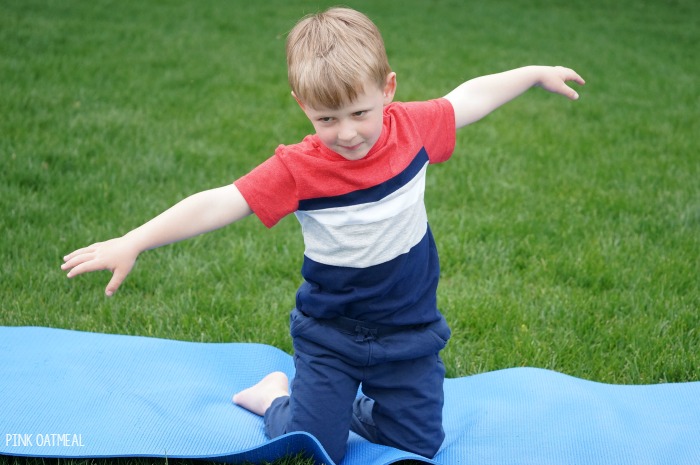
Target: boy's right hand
[116,255]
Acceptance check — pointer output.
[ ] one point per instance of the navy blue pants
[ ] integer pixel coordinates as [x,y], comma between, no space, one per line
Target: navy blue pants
[400,372]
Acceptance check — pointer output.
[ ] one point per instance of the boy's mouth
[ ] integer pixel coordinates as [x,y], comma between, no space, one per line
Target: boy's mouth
[351,148]
[352,152]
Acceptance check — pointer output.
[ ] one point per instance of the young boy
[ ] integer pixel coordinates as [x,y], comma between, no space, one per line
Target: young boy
[366,314]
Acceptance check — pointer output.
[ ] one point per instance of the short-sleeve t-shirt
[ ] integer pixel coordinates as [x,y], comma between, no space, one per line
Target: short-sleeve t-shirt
[369,253]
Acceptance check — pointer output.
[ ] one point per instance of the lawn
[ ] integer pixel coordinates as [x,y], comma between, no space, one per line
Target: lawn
[569,232]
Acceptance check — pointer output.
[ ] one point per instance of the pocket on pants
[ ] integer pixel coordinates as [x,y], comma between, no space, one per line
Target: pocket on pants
[315,339]
[412,343]
[298,322]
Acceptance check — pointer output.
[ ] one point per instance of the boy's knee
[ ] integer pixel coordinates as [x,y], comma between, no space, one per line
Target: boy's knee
[430,448]
[337,454]
[427,446]
[278,421]
[277,417]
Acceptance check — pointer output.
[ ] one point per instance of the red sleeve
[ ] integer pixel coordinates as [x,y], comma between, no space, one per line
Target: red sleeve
[270,191]
[435,122]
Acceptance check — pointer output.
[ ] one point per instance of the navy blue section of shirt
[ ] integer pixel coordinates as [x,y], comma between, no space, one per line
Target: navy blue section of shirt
[401,291]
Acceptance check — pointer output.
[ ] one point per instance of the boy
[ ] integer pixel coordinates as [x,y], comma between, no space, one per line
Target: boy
[366,314]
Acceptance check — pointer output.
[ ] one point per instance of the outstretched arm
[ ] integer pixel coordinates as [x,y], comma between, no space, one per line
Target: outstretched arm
[478,97]
[197,214]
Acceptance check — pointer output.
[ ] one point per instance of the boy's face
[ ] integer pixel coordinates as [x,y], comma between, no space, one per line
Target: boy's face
[353,129]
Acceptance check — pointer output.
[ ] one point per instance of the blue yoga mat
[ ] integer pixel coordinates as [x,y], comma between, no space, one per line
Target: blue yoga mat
[73,394]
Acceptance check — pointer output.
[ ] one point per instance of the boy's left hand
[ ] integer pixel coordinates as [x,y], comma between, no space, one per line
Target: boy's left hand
[554,80]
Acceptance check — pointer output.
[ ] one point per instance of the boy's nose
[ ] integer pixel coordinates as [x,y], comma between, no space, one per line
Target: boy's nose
[347,132]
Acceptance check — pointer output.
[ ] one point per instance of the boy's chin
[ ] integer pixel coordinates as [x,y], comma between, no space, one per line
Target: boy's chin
[352,154]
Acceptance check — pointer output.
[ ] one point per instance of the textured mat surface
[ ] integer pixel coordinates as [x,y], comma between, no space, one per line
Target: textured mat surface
[75,394]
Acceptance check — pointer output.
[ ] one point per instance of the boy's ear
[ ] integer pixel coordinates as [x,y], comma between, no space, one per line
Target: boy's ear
[389,88]
[301,104]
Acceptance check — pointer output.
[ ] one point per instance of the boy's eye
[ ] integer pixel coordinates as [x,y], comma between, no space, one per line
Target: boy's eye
[325,119]
[360,113]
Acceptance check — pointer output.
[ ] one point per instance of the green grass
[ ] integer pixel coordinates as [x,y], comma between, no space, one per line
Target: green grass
[569,232]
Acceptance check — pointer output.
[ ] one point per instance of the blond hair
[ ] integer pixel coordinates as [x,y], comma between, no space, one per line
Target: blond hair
[332,55]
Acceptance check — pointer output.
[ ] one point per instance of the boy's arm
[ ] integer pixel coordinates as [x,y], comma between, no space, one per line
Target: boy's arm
[478,97]
[197,214]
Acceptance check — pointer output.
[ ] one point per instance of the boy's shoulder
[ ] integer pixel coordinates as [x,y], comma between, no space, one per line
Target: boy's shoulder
[427,108]
[310,146]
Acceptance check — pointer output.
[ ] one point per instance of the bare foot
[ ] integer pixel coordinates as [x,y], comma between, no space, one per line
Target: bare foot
[259,397]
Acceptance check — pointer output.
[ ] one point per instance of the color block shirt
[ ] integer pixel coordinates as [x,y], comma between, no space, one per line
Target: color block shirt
[369,253]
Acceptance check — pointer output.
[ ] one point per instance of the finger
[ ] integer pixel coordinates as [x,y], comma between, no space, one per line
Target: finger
[576,78]
[568,74]
[565,90]
[75,253]
[86,267]
[571,93]
[117,279]
[77,260]
[561,88]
